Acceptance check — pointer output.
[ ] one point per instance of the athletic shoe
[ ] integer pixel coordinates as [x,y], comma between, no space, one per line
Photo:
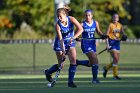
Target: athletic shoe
[48,76]
[104,72]
[72,85]
[96,81]
[116,78]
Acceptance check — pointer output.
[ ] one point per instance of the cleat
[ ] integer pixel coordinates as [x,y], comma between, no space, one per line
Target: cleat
[96,81]
[116,78]
[48,76]
[72,85]
[104,72]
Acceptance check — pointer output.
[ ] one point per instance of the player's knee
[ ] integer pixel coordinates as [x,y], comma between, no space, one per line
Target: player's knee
[115,60]
[93,62]
[73,61]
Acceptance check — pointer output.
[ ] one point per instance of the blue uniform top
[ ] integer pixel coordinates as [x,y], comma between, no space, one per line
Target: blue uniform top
[89,29]
[68,30]
[67,33]
[88,45]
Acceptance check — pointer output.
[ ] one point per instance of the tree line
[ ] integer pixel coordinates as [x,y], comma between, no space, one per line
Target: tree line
[39,14]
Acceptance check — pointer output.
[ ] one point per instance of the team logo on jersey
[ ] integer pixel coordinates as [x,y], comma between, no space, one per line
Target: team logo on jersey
[89,29]
[116,31]
[66,30]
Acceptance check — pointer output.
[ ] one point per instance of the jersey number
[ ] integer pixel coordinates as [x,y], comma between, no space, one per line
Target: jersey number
[90,34]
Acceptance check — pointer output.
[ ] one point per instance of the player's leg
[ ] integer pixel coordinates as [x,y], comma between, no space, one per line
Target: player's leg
[106,69]
[82,62]
[93,62]
[72,67]
[53,68]
[114,50]
[115,55]
[85,45]
[114,64]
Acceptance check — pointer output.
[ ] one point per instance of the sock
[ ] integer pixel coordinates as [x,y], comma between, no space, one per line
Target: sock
[82,62]
[53,68]
[94,71]
[72,70]
[115,70]
[109,66]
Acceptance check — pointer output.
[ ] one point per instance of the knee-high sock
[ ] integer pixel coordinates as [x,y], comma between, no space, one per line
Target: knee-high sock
[53,69]
[82,62]
[115,70]
[95,71]
[72,70]
[109,66]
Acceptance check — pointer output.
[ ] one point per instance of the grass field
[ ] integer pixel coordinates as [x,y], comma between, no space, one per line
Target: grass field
[37,84]
[19,57]
[17,76]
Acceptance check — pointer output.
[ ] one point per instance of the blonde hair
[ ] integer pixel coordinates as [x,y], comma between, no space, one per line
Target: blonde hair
[66,9]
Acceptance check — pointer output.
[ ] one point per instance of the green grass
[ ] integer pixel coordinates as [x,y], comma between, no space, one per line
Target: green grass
[37,84]
[19,57]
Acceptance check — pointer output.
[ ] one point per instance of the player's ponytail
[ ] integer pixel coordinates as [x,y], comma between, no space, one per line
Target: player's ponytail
[66,9]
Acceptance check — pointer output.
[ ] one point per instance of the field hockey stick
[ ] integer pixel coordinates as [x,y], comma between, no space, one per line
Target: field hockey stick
[109,47]
[57,73]
[79,39]
[59,69]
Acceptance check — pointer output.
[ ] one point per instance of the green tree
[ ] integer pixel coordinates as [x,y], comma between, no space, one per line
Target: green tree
[37,13]
[102,9]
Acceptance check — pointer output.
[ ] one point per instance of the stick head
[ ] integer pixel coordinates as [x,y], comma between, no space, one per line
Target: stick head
[49,85]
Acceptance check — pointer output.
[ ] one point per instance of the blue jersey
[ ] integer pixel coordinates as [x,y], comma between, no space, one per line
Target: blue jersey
[67,33]
[86,44]
[89,30]
[68,30]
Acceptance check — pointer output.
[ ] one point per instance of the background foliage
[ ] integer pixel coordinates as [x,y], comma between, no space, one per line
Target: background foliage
[39,16]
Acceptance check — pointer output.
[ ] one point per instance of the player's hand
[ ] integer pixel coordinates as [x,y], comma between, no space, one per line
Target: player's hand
[63,56]
[71,41]
[78,39]
[108,48]
[104,36]
[124,37]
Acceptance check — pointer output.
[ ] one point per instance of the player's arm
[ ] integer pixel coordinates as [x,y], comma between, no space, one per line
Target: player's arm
[122,30]
[81,24]
[124,36]
[103,36]
[107,33]
[79,28]
[98,29]
[60,38]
